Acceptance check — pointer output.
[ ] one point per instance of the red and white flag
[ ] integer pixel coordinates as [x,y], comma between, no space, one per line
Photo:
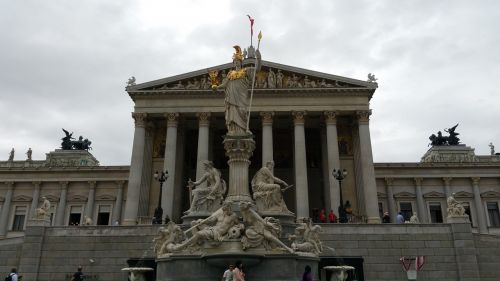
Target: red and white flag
[251,24]
[419,262]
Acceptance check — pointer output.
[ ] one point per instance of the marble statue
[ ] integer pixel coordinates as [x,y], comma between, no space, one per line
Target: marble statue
[214,228]
[371,78]
[209,198]
[87,220]
[271,79]
[279,79]
[414,218]
[306,237]
[167,239]
[260,231]
[237,100]
[204,85]
[455,208]
[178,86]
[267,191]
[307,82]
[29,154]
[492,148]
[131,81]
[43,212]
[11,155]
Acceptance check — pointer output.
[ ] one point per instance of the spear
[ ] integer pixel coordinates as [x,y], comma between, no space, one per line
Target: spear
[253,82]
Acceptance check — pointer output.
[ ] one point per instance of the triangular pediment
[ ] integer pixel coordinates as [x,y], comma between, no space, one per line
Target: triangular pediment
[22,198]
[50,197]
[490,194]
[105,197]
[463,194]
[381,195]
[404,194]
[77,198]
[434,194]
[292,78]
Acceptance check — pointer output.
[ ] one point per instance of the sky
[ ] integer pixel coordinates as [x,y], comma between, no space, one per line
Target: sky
[65,64]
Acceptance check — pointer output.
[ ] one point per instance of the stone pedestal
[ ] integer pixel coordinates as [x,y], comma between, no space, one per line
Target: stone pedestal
[70,158]
[449,154]
[38,222]
[239,149]
[458,219]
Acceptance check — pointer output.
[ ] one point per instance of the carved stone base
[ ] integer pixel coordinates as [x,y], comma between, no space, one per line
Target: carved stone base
[458,219]
[239,149]
[70,158]
[284,217]
[449,154]
[38,222]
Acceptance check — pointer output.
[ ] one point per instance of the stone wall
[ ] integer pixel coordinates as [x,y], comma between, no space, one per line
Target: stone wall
[488,256]
[452,251]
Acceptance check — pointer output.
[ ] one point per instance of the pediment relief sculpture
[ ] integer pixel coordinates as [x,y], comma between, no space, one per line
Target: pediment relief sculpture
[490,194]
[267,78]
[434,194]
[404,194]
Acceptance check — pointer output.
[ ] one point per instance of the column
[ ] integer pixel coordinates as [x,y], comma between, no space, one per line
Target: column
[89,209]
[301,188]
[36,198]
[422,210]
[267,137]
[61,207]
[393,211]
[203,141]
[333,158]
[481,215]
[447,189]
[4,215]
[136,166]
[117,210]
[367,169]
[169,163]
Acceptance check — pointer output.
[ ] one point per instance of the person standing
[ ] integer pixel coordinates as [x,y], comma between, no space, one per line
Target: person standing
[228,274]
[12,275]
[322,216]
[400,218]
[78,276]
[238,274]
[307,276]
[386,218]
[332,217]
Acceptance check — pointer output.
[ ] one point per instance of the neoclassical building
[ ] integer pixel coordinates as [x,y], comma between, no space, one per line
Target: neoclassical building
[307,122]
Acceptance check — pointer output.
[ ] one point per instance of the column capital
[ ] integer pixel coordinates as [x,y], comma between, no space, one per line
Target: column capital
[9,184]
[330,117]
[389,181]
[36,183]
[120,183]
[92,184]
[204,118]
[447,180]
[139,118]
[475,180]
[64,184]
[299,117]
[364,115]
[172,119]
[267,117]
[418,181]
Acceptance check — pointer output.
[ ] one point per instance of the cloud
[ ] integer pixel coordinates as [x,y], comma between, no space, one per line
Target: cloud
[64,64]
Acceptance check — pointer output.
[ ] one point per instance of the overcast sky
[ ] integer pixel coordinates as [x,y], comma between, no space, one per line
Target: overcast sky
[64,64]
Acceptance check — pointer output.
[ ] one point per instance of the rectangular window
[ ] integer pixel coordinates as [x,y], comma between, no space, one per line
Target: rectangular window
[19,217]
[493,214]
[75,215]
[436,213]
[467,212]
[103,215]
[406,210]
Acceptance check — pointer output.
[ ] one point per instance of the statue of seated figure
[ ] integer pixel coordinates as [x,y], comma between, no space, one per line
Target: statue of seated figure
[43,212]
[267,191]
[209,198]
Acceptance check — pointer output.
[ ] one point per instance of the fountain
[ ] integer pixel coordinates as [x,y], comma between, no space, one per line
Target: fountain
[137,273]
[240,229]
[338,272]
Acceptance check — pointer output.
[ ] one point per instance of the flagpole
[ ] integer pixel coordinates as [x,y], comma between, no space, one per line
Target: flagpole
[253,83]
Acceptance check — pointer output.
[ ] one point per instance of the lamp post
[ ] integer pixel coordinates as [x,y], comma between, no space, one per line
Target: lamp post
[158,216]
[341,175]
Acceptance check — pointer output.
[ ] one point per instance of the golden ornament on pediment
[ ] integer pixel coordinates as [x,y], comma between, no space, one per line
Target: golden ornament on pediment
[214,80]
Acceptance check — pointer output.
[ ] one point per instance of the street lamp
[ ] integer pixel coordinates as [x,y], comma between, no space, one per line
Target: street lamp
[341,175]
[157,219]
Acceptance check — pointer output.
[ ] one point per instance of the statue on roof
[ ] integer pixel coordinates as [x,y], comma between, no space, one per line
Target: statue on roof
[131,81]
[371,78]
[236,85]
[439,140]
[69,144]
[452,139]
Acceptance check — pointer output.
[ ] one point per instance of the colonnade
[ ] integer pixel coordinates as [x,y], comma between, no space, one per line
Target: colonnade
[300,168]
